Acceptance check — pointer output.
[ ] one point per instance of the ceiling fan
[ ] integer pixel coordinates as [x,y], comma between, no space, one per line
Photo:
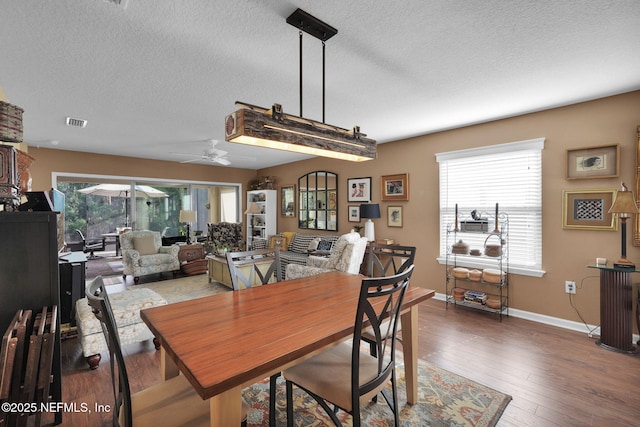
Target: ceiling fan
[211,154]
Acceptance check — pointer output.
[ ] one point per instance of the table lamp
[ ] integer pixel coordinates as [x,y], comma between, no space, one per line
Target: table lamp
[252,209]
[624,205]
[188,217]
[371,210]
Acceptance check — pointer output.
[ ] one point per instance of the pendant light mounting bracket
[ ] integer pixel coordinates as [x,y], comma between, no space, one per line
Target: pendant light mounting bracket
[311,25]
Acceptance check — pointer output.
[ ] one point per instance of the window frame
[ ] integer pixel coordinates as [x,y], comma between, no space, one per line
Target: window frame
[447,206]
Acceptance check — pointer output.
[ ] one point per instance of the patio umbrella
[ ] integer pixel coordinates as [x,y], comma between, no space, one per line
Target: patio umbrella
[122,190]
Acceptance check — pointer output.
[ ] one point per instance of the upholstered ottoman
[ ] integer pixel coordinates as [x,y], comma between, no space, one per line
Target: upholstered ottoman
[126,307]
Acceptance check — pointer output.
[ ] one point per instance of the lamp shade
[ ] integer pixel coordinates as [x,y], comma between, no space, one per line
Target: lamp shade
[624,204]
[187,216]
[253,208]
[369,210]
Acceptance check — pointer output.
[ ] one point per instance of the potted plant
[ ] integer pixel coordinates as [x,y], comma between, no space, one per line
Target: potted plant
[223,248]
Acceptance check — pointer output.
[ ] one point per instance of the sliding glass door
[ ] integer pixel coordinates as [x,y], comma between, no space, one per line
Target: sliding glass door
[103,205]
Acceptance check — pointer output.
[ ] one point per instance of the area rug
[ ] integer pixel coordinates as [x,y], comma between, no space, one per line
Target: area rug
[116,266]
[185,288]
[113,280]
[445,399]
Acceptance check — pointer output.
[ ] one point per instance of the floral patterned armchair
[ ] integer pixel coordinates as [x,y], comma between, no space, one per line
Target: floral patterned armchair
[226,235]
[143,253]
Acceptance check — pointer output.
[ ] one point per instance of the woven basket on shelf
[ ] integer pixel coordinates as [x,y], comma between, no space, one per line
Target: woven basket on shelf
[10,122]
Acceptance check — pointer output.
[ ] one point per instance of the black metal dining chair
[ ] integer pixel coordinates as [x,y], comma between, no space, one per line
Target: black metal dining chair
[386,260]
[173,402]
[345,376]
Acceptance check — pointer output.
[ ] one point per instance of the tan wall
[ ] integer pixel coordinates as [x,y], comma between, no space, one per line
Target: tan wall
[566,253]
[48,161]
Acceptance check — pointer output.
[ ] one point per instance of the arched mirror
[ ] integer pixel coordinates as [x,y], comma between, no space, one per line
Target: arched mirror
[318,201]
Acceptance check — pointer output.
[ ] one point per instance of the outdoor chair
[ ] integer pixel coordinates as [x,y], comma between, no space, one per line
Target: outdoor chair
[345,375]
[172,402]
[91,247]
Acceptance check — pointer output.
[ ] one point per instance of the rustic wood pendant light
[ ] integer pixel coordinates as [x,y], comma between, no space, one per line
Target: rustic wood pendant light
[257,126]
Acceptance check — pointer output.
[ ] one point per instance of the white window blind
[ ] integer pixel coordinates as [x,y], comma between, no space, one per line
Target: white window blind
[507,174]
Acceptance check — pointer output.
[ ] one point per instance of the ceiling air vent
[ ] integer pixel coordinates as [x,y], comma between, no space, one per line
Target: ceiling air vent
[122,3]
[76,122]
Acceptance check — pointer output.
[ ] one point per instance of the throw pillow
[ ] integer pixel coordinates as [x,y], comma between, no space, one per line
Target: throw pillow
[325,245]
[313,244]
[146,245]
[339,246]
[288,236]
[277,241]
[345,258]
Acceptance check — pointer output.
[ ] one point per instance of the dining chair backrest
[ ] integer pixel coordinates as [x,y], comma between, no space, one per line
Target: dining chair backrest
[259,266]
[379,306]
[99,302]
[387,260]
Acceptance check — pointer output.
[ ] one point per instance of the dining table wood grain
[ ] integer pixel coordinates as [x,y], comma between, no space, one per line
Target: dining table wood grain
[226,342]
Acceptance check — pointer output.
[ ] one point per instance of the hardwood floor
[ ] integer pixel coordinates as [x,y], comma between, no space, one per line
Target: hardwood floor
[556,377]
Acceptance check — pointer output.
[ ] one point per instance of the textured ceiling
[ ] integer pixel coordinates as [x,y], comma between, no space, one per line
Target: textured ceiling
[158,77]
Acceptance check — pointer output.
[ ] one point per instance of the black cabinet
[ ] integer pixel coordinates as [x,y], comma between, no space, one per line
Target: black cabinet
[29,273]
[72,285]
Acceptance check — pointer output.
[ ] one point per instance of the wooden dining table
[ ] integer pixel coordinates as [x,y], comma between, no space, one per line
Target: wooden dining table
[226,342]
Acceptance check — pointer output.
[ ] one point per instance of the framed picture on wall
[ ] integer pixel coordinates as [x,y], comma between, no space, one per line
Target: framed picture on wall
[394,216]
[394,187]
[593,162]
[588,210]
[359,189]
[288,200]
[354,213]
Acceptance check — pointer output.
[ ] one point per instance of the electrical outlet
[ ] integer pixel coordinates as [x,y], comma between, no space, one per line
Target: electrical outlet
[570,287]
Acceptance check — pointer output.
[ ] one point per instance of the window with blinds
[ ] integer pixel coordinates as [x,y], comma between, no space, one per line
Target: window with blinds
[508,174]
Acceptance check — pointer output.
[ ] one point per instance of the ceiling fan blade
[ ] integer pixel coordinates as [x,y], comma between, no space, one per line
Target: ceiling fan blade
[215,152]
[187,154]
[192,160]
[222,161]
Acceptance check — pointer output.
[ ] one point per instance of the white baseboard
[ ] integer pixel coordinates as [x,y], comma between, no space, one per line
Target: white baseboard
[549,320]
